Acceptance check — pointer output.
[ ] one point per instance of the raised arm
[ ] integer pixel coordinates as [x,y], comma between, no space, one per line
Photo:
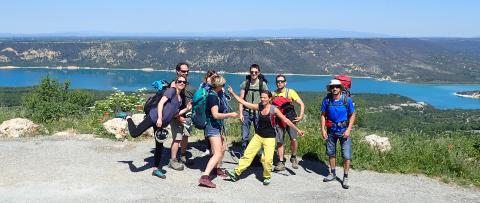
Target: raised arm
[282,117]
[241,101]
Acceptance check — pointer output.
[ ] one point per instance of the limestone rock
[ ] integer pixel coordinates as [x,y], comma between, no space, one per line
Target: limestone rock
[119,127]
[18,127]
[379,143]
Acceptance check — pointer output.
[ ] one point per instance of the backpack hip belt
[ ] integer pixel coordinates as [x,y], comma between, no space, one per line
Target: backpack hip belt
[340,124]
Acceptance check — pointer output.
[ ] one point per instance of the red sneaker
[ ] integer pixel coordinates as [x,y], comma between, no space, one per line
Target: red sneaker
[220,173]
[206,182]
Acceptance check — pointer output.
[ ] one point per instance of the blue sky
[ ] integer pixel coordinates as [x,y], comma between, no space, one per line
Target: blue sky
[403,18]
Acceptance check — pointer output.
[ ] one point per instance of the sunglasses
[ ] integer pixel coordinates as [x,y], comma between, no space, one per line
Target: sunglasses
[254,72]
[184,71]
[182,81]
[281,81]
[336,86]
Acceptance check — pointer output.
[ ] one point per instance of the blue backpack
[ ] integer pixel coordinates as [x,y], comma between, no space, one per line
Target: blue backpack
[199,108]
[152,101]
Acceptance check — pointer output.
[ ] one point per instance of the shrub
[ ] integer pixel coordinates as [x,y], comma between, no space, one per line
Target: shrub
[51,100]
[119,101]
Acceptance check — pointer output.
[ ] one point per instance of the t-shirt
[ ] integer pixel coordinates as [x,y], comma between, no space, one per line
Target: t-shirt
[337,112]
[213,100]
[170,108]
[292,94]
[186,94]
[256,94]
[264,126]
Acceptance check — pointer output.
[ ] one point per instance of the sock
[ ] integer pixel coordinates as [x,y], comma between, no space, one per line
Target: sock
[345,175]
[333,171]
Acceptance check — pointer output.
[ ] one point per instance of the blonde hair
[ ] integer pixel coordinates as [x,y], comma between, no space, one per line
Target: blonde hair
[218,81]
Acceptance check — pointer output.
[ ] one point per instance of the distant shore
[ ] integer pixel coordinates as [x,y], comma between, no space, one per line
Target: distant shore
[469,94]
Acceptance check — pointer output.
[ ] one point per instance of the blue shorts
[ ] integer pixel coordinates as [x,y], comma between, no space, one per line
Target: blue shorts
[346,145]
[211,131]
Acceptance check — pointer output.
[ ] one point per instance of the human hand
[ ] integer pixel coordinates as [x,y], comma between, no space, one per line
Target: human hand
[346,134]
[324,134]
[189,106]
[297,119]
[241,118]
[181,119]
[301,133]
[159,122]
[233,114]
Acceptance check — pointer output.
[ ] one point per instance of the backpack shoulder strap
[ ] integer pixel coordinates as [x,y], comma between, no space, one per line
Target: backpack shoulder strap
[247,87]
[272,114]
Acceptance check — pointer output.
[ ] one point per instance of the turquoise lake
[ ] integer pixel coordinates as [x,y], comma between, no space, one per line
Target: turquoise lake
[438,95]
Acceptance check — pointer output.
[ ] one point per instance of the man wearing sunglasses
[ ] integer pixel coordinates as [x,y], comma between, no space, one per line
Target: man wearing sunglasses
[181,127]
[250,90]
[338,116]
[282,91]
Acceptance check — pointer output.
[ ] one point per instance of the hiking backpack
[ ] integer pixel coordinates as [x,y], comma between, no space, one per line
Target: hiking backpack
[346,82]
[199,107]
[261,79]
[152,101]
[285,105]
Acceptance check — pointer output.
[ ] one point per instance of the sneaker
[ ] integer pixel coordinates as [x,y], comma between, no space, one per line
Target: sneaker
[279,167]
[266,181]
[294,162]
[329,178]
[219,172]
[206,182]
[184,160]
[121,114]
[345,184]
[161,135]
[175,165]
[232,174]
[159,173]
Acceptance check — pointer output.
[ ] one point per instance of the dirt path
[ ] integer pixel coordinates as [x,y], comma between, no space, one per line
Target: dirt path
[85,169]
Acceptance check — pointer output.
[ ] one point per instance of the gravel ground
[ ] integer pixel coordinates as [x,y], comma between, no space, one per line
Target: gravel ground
[81,168]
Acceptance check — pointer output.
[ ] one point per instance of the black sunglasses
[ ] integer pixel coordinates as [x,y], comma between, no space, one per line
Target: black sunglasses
[281,81]
[254,72]
[184,71]
[182,81]
[336,86]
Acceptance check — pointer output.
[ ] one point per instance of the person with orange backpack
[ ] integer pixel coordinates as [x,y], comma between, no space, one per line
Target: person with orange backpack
[337,119]
[283,99]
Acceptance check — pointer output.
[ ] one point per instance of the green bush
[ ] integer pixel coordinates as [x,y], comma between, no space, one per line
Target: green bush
[119,101]
[51,100]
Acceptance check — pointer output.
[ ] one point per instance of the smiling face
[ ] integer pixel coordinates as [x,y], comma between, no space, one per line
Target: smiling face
[335,89]
[265,98]
[181,82]
[254,73]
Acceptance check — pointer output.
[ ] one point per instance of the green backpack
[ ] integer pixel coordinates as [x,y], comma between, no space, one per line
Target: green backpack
[199,108]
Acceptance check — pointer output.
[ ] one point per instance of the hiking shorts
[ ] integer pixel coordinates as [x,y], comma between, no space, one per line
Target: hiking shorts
[346,145]
[292,133]
[211,131]
[177,130]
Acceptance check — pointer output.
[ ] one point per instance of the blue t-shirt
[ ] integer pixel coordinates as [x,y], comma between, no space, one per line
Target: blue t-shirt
[337,112]
[213,100]
[170,109]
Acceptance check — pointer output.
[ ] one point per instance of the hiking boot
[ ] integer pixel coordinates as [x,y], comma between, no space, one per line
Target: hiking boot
[123,114]
[266,181]
[345,184]
[294,162]
[206,182]
[184,160]
[329,178]
[161,135]
[219,172]
[232,174]
[159,174]
[175,165]
[279,167]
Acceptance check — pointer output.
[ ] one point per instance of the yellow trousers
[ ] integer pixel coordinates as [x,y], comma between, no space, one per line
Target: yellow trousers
[253,147]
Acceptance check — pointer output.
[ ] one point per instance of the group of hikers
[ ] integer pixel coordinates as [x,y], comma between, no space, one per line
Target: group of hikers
[177,107]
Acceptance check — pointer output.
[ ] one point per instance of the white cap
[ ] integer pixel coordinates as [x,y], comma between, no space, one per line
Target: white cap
[334,82]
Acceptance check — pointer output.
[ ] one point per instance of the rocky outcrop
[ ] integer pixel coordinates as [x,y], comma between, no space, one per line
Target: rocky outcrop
[378,143]
[19,127]
[119,127]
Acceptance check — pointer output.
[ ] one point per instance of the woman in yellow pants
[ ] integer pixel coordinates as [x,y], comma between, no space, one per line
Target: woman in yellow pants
[264,135]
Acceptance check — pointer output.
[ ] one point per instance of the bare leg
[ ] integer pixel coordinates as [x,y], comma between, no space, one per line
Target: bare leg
[346,166]
[294,146]
[333,162]
[216,143]
[281,152]
[174,149]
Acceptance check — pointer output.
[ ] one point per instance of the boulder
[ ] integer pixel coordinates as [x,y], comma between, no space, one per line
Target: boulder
[18,127]
[119,127]
[379,143]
